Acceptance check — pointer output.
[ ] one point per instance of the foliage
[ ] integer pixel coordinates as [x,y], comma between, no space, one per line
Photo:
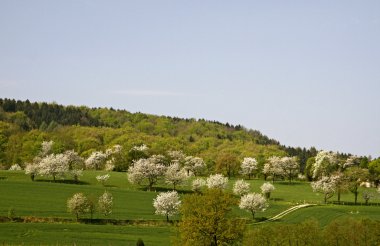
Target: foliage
[207,220]
[167,204]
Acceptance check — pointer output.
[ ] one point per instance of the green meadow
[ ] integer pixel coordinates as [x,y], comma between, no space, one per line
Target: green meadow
[46,200]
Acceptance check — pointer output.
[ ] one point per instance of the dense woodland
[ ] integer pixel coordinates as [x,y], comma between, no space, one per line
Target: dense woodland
[24,125]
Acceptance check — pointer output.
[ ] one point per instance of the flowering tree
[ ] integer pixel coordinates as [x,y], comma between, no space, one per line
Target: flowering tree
[53,165]
[253,203]
[149,170]
[326,185]
[174,175]
[248,166]
[15,167]
[289,166]
[355,176]
[103,178]
[78,204]
[241,188]
[167,204]
[267,189]
[105,203]
[46,148]
[197,184]
[273,167]
[193,165]
[32,170]
[217,181]
[96,160]
[325,163]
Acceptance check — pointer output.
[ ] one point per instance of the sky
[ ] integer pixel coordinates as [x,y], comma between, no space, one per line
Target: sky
[306,73]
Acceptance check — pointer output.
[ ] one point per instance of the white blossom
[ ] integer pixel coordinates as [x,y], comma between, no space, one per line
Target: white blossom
[141,148]
[273,167]
[217,181]
[253,203]
[289,166]
[267,189]
[167,204]
[74,160]
[53,165]
[326,185]
[110,164]
[197,184]
[148,170]
[241,188]
[105,203]
[325,163]
[31,169]
[15,167]
[248,166]
[96,160]
[194,165]
[174,175]
[78,204]
[46,147]
[176,155]
[352,160]
[103,178]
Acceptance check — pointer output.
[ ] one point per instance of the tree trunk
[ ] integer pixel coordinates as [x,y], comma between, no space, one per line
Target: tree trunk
[356,197]
[32,176]
[338,196]
[253,214]
[167,218]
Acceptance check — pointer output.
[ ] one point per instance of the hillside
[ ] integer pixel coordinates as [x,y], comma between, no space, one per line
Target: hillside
[24,125]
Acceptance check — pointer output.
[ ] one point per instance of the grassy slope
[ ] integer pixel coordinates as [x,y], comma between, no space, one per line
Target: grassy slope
[47,199]
[81,234]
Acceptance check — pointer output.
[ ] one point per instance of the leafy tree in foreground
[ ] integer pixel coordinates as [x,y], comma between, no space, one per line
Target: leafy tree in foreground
[207,220]
[167,204]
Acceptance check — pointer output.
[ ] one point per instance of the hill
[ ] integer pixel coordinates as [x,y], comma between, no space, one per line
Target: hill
[24,125]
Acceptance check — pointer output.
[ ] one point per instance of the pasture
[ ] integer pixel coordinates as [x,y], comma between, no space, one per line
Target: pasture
[46,199]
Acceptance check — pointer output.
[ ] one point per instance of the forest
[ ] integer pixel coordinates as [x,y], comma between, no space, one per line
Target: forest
[24,125]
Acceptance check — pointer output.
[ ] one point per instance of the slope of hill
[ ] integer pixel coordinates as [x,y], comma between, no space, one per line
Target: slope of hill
[24,125]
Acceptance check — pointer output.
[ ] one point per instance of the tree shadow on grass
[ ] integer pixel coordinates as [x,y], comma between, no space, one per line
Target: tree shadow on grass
[275,199]
[63,181]
[3,178]
[287,183]
[166,189]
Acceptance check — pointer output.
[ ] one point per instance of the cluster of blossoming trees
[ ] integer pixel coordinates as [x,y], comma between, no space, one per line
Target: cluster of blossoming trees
[69,163]
[330,175]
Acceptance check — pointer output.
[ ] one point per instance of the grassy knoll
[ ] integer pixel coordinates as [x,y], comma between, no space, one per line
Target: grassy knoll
[82,234]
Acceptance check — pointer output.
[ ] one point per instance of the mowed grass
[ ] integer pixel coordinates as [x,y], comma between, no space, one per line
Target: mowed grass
[44,198]
[82,234]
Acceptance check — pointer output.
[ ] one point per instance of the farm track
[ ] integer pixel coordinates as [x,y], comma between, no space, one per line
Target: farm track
[288,211]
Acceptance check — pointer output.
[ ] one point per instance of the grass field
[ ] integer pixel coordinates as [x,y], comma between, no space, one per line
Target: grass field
[44,198]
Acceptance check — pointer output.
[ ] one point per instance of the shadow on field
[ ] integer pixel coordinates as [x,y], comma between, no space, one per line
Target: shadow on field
[63,181]
[276,199]
[3,178]
[287,183]
[165,189]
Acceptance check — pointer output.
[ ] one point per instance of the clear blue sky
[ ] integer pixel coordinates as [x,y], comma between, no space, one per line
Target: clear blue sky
[306,73]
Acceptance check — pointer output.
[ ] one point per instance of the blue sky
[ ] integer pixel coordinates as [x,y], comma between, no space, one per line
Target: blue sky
[303,72]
